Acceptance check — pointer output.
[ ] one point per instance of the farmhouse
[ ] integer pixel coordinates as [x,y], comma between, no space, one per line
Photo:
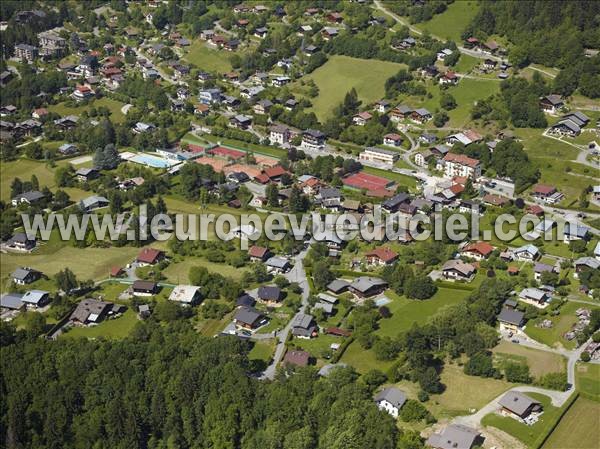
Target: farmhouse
[186,294]
[149,256]
[86,174]
[365,286]
[511,320]
[390,400]
[518,405]
[373,154]
[400,112]
[455,436]
[458,270]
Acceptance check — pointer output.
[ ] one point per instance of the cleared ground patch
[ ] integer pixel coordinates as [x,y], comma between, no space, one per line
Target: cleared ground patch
[341,73]
[111,328]
[578,429]
[452,22]
[208,59]
[540,362]
[113,106]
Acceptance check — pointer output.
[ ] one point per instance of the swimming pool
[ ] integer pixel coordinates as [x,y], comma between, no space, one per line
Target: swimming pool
[152,161]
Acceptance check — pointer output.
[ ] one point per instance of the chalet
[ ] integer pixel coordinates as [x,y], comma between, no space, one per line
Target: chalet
[534,296]
[390,400]
[393,204]
[511,320]
[380,155]
[546,193]
[7,110]
[328,33]
[586,263]
[258,253]
[150,256]
[334,17]
[421,116]
[366,287]
[455,436]
[313,139]
[457,270]
[93,202]
[83,93]
[466,138]
[495,200]
[326,307]
[303,326]
[31,197]
[527,253]
[5,77]
[90,311]
[552,103]
[535,210]
[422,158]
[460,165]
[67,149]
[87,174]
[269,294]
[381,256]
[477,251]
[279,134]
[290,104]
[573,231]
[430,71]
[518,405]
[443,54]
[280,81]
[245,300]
[241,122]
[277,265]
[36,298]
[262,107]
[210,96]
[20,241]
[186,294]
[261,32]
[249,318]
[400,113]
[25,275]
[305,30]
[382,106]
[570,124]
[540,268]
[144,288]
[12,301]
[338,286]
[392,140]
[39,113]
[362,118]
[141,127]
[449,78]
[296,358]
[231,45]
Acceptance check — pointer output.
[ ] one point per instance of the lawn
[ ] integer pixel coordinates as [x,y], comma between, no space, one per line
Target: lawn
[316,346]
[452,22]
[466,63]
[527,434]
[177,272]
[277,153]
[405,311]
[23,169]
[262,350]
[588,379]
[561,324]
[540,362]
[362,360]
[341,73]
[467,92]
[207,59]
[578,428]
[111,328]
[113,106]
[399,178]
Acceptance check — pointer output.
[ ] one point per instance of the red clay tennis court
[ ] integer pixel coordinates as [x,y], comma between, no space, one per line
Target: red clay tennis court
[226,152]
[363,180]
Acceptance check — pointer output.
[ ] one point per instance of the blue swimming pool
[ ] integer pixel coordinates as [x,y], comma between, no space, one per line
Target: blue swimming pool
[152,161]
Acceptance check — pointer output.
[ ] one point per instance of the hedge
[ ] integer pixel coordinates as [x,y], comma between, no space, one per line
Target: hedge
[544,437]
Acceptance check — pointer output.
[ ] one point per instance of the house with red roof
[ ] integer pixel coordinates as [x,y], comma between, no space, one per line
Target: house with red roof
[150,256]
[275,173]
[449,78]
[82,92]
[477,251]
[535,210]
[381,256]
[392,140]
[548,194]
[258,253]
[296,358]
[362,118]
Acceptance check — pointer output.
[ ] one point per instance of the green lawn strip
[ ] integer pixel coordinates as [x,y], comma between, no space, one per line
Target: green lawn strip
[264,150]
[262,350]
[577,428]
[113,106]
[177,271]
[588,379]
[451,23]
[524,433]
[399,178]
[112,328]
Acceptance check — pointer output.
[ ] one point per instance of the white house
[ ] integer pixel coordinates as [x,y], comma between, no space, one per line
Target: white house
[373,154]
[390,400]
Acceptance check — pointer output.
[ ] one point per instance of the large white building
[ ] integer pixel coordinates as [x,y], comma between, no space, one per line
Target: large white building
[460,165]
[380,155]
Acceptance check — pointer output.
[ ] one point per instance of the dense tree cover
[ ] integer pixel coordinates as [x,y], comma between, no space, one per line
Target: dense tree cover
[418,12]
[167,387]
[22,90]
[552,33]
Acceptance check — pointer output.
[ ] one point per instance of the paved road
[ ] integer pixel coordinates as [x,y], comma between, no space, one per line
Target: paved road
[296,274]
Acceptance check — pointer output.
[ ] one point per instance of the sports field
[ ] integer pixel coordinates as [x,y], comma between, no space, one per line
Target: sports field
[452,22]
[341,73]
[578,428]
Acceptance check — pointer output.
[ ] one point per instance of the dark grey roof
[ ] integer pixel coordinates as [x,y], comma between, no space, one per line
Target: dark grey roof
[22,273]
[329,192]
[337,285]
[365,283]
[31,196]
[277,262]
[247,315]
[89,307]
[11,301]
[392,395]
[517,402]
[245,300]
[269,293]
[315,133]
[302,320]
[454,436]
[511,316]
[396,200]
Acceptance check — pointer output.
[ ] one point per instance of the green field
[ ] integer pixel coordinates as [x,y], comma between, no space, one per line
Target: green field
[177,272]
[399,178]
[523,432]
[539,362]
[262,350]
[207,59]
[113,106]
[341,73]
[588,379]
[578,428]
[452,22]
[23,169]
[405,311]
[110,328]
